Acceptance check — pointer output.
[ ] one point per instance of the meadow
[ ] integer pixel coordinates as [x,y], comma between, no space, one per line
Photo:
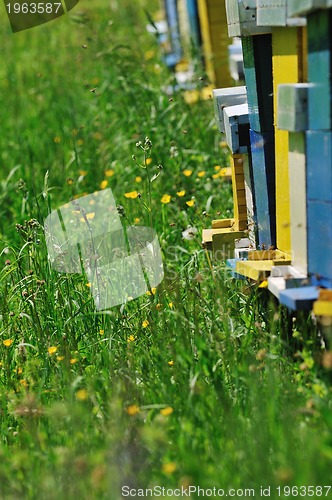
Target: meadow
[204,381]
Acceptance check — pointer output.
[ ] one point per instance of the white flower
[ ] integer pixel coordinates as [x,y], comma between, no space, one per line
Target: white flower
[189,233]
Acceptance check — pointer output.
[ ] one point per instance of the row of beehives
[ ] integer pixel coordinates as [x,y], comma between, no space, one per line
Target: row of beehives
[278,128]
[199,28]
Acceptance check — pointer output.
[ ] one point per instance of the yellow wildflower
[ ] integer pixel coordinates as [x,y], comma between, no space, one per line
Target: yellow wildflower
[7,342]
[220,173]
[72,361]
[101,332]
[52,350]
[166,198]
[136,220]
[217,168]
[181,193]
[57,140]
[131,338]
[103,184]
[153,291]
[190,203]
[148,161]
[131,194]
[70,181]
[171,363]
[145,323]
[132,410]
[187,172]
[60,358]
[201,173]
[138,178]
[24,383]
[19,370]
[81,395]
[88,285]
[169,468]
[170,305]
[158,306]
[223,144]
[167,411]
[83,172]
[109,172]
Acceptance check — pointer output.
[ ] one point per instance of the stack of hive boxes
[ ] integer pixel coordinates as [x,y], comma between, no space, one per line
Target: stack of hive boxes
[288,165]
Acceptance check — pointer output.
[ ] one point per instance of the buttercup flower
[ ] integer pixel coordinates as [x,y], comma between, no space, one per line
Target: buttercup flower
[132,410]
[103,184]
[109,172]
[132,194]
[7,342]
[166,198]
[82,395]
[167,411]
[190,203]
[169,468]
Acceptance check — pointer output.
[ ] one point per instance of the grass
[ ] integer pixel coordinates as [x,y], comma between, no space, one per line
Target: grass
[199,383]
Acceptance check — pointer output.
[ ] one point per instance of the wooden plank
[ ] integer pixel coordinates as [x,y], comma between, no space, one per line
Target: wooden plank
[299,298]
[231,263]
[195,32]
[319,70]
[263,174]
[319,238]
[325,295]
[299,7]
[222,98]
[236,123]
[292,113]
[242,18]
[275,13]
[250,201]
[322,308]
[222,223]
[174,32]
[257,61]
[257,270]
[240,211]
[298,209]
[319,165]
[285,70]
[214,40]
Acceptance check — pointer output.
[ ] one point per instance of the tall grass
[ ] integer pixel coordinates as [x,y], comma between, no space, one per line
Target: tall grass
[194,384]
